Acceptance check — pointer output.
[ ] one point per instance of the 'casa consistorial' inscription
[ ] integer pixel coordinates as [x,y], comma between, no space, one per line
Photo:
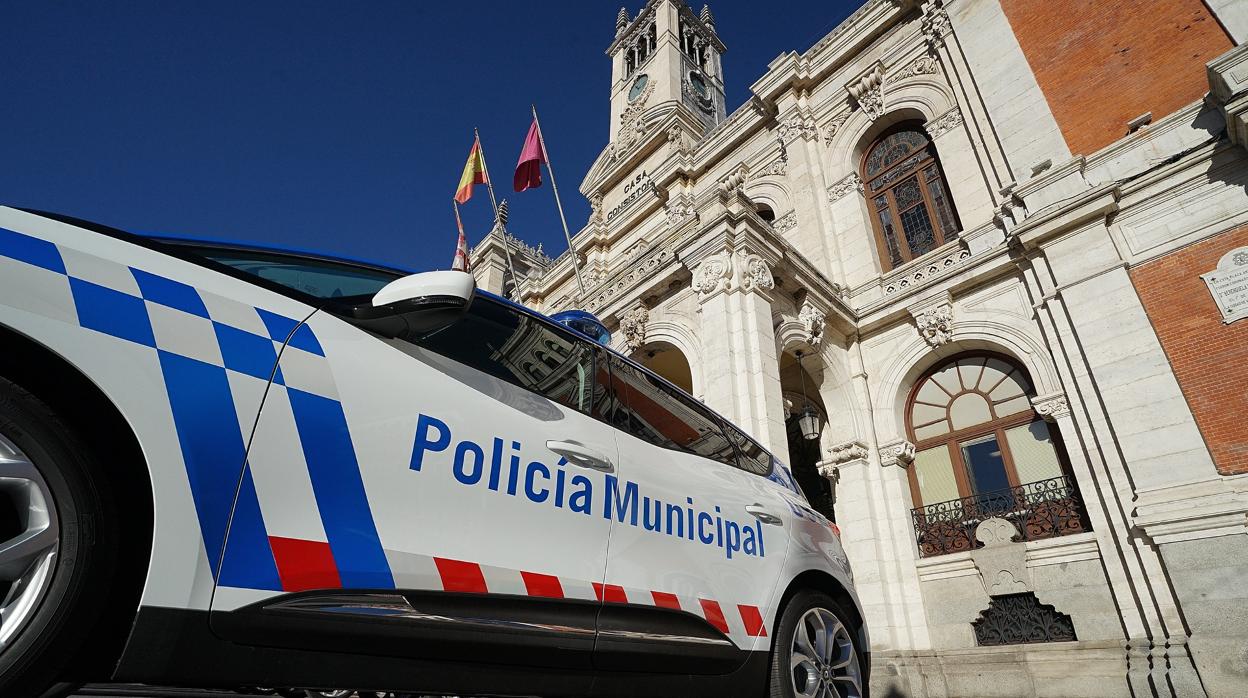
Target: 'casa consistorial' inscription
[1229,284]
[635,189]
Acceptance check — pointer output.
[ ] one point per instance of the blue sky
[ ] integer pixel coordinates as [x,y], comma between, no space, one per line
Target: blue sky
[334,126]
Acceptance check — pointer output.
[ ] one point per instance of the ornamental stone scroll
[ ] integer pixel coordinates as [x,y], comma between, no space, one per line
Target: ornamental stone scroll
[756,274]
[1051,407]
[900,452]
[713,275]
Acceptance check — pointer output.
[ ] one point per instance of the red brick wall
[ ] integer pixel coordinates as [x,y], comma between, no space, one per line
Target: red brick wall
[1101,64]
[1209,358]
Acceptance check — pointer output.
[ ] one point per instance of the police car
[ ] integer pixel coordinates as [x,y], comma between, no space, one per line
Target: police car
[222,465]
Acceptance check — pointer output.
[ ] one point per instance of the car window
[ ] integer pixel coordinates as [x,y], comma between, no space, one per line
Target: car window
[752,457]
[655,412]
[527,352]
[316,277]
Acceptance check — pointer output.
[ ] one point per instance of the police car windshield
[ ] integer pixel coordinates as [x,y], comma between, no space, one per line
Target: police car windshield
[320,278]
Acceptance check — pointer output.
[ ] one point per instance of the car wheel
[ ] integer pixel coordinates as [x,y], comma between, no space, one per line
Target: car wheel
[816,653]
[58,543]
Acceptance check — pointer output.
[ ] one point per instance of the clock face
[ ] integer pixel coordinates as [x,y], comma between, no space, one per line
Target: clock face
[699,85]
[638,85]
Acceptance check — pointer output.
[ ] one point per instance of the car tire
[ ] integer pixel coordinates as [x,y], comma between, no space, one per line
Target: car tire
[803,664]
[58,544]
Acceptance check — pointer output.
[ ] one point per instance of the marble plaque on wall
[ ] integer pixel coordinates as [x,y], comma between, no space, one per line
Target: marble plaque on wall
[1229,284]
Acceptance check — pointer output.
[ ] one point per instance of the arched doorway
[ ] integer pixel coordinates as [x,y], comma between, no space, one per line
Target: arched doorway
[666,360]
[804,454]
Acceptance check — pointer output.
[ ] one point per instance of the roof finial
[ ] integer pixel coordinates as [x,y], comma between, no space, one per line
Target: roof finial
[707,18]
[621,21]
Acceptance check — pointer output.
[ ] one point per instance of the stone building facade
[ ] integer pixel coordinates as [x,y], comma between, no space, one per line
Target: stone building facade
[1000,247]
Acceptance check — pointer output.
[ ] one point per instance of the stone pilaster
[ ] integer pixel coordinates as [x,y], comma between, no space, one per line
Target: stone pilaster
[742,370]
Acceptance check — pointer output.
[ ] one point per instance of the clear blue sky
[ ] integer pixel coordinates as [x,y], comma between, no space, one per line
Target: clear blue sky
[334,126]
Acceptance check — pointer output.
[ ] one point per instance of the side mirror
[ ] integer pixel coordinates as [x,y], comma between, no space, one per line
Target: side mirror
[415,305]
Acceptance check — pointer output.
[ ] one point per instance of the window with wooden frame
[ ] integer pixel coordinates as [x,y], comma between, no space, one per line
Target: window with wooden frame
[976,434]
[911,210]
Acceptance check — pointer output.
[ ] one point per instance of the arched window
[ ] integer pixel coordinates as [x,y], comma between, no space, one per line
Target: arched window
[981,451]
[905,188]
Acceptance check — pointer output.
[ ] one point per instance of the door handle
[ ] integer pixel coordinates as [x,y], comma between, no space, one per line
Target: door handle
[761,513]
[582,455]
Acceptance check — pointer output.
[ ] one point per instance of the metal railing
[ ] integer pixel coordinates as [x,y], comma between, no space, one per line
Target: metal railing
[1041,509]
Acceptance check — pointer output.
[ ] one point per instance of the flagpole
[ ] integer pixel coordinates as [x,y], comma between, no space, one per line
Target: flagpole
[489,184]
[580,285]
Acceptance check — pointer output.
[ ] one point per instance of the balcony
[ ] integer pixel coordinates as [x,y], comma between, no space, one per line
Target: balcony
[1042,509]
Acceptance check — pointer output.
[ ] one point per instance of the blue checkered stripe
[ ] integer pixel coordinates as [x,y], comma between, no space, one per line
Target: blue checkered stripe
[214,353]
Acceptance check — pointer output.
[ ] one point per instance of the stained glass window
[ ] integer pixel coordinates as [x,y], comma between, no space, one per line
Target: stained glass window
[905,187]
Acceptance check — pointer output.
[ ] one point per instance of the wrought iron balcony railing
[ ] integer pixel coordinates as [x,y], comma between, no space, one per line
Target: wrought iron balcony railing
[1042,509]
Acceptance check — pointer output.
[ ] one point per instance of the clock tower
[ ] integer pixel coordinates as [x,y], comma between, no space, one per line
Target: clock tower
[666,56]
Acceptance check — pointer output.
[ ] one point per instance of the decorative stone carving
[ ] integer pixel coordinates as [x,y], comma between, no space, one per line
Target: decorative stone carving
[812,319]
[868,91]
[595,208]
[621,21]
[679,139]
[846,452]
[776,167]
[1051,407]
[632,126]
[633,326]
[851,183]
[733,181]
[935,24]
[1002,562]
[944,123]
[796,126]
[630,278]
[834,126]
[936,268]
[786,222]
[712,275]
[679,210]
[756,274]
[923,65]
[936,324]
[897,453]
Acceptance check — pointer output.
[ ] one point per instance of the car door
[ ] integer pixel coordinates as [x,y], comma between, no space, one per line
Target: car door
[699,534]
[439,491]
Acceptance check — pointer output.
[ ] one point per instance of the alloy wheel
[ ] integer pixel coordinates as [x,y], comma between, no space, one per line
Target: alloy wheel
[824,663]
[29,540]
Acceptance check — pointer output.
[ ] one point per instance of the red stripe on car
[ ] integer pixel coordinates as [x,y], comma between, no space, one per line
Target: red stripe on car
[753,621]
[458,575]
[665,600]
[304,564]
[610,593]
[714,614]
[542,585]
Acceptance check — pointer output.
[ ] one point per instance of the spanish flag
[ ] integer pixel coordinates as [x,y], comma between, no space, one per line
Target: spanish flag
[474,173]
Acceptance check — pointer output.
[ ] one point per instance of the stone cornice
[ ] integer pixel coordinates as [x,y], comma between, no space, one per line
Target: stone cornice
[1063,216]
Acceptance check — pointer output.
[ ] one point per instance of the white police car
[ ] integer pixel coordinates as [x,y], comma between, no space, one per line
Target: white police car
[222,465]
